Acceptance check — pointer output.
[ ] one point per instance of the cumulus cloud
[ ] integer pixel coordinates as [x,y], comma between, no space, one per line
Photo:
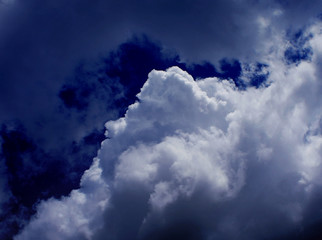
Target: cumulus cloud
[203,160]
[41,42]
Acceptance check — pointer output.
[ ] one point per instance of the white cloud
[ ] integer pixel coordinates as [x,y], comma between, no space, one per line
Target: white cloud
[228,162]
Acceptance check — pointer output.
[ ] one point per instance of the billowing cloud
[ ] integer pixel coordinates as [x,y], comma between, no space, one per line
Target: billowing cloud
[204,160]
[45,153]
[51,121]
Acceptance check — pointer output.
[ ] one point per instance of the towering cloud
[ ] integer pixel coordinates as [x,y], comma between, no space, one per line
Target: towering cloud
[203,160]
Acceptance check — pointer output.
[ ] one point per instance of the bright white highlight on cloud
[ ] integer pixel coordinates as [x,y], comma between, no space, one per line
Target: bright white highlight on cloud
[203,157]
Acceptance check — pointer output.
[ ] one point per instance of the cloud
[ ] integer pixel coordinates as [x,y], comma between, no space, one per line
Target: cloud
[42,42]
[45,153]
[203,160]
[80,212]
[56,36]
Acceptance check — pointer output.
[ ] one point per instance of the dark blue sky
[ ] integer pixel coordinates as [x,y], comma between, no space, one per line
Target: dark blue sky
[68,68]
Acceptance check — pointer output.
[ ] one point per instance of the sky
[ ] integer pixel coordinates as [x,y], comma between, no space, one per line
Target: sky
[195,120]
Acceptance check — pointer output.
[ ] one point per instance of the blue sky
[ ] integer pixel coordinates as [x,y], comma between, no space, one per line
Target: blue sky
[160,119]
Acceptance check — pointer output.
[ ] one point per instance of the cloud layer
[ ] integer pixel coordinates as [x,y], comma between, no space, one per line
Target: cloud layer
[203,160]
